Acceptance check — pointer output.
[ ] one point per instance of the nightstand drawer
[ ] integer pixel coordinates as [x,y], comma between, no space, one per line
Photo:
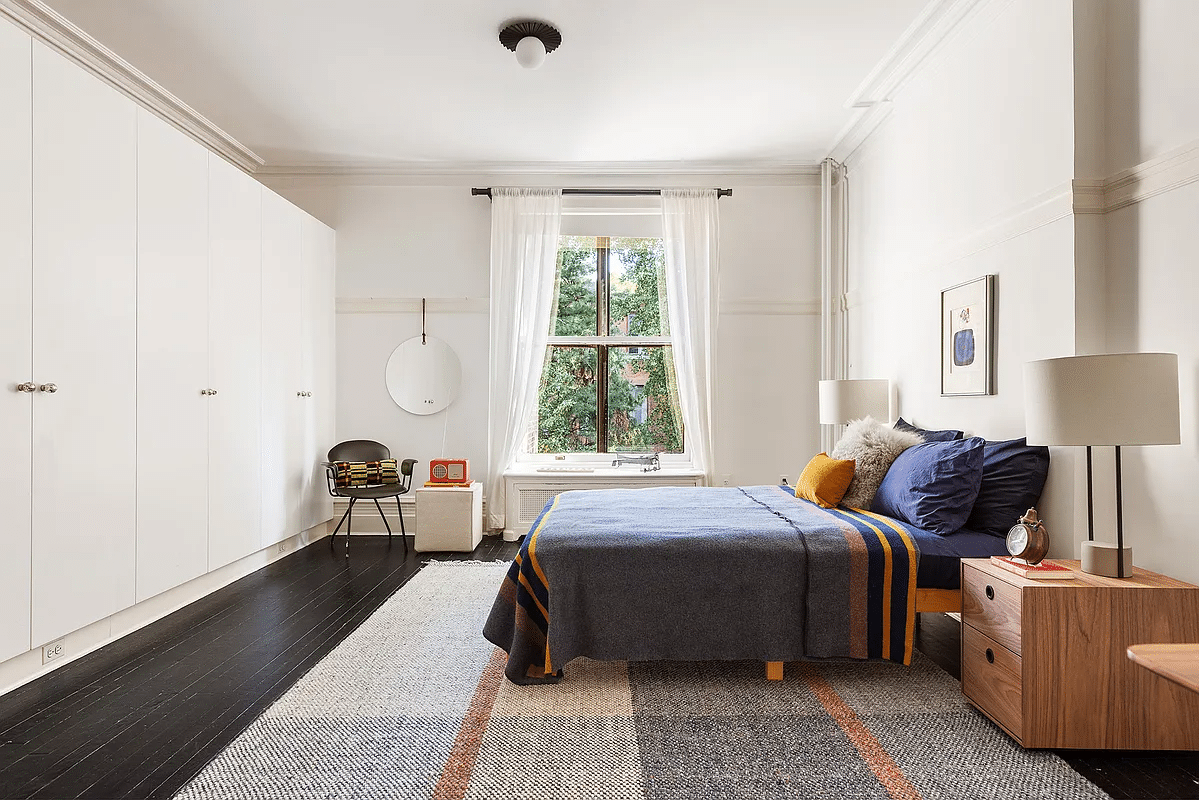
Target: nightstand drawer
[992,607]
[991,678]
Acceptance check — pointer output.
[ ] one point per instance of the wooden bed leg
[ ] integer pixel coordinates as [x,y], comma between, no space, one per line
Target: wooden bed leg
[774,670]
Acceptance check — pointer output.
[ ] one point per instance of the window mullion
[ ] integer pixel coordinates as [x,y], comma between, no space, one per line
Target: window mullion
[602,297]
[601,399]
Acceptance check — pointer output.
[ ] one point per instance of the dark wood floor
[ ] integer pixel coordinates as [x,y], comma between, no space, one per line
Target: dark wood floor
[140,717]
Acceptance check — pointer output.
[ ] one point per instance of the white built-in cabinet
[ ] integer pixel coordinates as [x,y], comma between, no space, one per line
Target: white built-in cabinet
[235,363]
[167,362]
[84,347]
[284,403]
[16,336]
[172,357]
[297,370]
[318,257]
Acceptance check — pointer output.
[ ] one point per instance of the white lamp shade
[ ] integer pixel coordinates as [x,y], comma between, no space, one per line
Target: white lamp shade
[1116,399]
[530,52]
[845,400]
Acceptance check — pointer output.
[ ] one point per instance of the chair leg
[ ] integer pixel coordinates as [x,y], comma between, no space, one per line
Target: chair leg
[384,517]
[350,524]
[339,524]
[403,533]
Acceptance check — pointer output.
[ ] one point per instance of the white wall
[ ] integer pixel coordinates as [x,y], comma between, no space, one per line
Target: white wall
[1152,253]
[398,243]
[971,175]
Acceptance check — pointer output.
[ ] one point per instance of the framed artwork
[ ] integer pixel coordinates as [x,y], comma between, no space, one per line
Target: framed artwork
[967,338]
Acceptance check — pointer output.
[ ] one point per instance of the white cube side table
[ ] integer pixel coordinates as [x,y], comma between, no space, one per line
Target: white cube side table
[449,518]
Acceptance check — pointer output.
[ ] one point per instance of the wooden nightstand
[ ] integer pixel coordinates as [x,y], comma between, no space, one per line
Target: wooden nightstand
[1046,660]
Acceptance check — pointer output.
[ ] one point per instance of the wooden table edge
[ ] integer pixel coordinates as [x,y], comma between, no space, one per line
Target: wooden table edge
[1148,656]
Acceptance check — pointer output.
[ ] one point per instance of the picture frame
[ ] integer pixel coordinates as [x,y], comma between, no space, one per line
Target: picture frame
[968,338]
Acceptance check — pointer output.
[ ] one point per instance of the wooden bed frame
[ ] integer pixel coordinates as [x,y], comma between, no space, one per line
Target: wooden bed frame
[928,601]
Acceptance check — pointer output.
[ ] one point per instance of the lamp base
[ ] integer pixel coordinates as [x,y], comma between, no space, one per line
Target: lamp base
[1099,558]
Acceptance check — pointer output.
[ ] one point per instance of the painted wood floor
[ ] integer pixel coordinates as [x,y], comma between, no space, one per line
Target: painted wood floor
[140,717]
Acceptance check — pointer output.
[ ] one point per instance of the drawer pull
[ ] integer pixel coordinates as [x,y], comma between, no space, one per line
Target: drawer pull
[990,592]
[990,656]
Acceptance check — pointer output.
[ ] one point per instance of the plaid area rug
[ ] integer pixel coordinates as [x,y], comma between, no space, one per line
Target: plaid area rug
[414,704]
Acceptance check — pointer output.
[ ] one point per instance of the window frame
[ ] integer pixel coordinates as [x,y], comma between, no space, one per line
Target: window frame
[601,341]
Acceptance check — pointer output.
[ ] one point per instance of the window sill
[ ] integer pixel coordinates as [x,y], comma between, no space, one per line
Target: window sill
[630,472]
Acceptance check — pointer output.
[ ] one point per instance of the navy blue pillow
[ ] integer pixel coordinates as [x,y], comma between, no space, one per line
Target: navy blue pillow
[933,485]
[1013,477]
[929,436]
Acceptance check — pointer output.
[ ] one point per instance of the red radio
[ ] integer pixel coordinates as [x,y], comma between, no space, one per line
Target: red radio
[449,470]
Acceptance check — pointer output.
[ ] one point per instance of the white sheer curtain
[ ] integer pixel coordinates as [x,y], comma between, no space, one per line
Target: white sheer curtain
[691,233]
[524,254]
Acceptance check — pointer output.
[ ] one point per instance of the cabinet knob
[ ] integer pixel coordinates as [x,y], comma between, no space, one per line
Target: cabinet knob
[28,387]
[49,388]
[990,592]
[212,391]
[990,656]
[299,394]
[308,394]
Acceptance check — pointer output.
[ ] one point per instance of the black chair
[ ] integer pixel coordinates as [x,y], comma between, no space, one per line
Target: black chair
[366,450]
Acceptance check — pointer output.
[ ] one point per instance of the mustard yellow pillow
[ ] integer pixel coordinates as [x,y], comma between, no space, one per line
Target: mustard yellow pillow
[824,480]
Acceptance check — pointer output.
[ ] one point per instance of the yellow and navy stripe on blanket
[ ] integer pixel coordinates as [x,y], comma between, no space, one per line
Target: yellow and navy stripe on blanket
[888,602]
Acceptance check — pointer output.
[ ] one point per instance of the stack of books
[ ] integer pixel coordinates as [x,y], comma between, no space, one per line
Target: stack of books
[1046,570]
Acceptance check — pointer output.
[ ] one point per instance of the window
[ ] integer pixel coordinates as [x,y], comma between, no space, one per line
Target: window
[608,385]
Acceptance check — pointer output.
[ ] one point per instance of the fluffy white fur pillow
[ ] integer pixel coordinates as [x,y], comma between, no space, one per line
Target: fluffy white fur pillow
[873,446]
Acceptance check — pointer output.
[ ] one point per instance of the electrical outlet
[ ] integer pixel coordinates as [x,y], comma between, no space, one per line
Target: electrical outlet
[282,547]
[726,479]
[53,650]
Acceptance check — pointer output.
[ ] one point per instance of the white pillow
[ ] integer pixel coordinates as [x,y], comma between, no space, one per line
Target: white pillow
[873,446]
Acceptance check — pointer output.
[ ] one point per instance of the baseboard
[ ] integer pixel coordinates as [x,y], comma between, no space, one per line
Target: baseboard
[28,666]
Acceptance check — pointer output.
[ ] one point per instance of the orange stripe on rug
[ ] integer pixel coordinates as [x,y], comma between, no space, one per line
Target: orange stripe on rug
[455,777]
[876,757]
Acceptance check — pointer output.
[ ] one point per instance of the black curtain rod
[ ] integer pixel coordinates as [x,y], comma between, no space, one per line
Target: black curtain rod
[606,192]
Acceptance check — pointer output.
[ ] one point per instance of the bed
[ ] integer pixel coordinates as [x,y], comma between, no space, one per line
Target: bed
[687,573]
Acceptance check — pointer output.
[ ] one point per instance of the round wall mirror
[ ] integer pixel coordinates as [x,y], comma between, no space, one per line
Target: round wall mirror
[423,377]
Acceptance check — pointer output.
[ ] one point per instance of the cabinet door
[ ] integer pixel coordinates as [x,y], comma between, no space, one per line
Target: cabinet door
[318,337]
[235,364]
[16,332]
[85,322]
[172,357]
[283,405]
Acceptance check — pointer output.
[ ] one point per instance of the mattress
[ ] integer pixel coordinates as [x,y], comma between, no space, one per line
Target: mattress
[940,556]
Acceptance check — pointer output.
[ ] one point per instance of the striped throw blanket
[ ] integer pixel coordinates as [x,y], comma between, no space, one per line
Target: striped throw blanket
[685,573]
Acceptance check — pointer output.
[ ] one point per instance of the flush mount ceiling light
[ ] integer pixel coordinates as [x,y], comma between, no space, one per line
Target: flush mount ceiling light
[530,40]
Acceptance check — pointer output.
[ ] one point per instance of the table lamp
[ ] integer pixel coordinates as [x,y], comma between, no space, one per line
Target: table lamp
[1103,400]
[845,400]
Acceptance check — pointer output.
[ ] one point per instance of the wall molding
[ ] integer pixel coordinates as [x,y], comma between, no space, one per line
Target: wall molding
[1036,212]
[604,173]
[936,26]
[481,305]
[1169,171]
[411,305]
[52,29]
[776,308]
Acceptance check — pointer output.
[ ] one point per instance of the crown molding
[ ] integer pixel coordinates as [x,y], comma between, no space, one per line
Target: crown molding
[858,130]
[411,305]
[605,173]
[936,25]
[771,308]
[52,29]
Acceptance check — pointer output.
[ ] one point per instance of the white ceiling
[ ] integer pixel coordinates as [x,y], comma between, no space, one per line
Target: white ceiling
[387,82]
